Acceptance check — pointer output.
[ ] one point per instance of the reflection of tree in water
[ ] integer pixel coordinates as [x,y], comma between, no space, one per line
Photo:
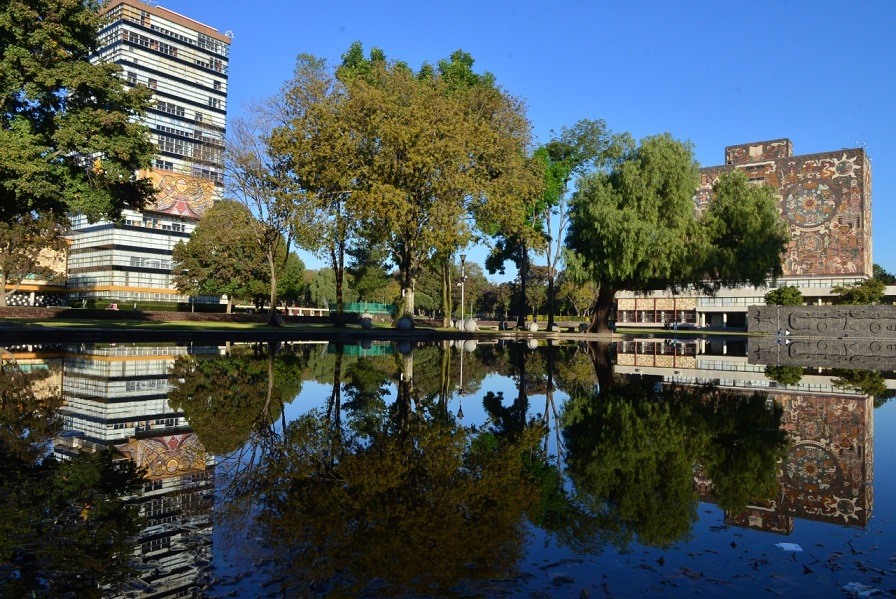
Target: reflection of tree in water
[632,449]
[226,398]
[399,494]
[65,527]
[867,382]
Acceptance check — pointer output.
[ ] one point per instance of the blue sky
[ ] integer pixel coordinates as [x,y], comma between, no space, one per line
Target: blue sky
[820,73]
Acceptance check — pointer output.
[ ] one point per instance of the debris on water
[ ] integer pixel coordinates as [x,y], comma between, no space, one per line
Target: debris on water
[857,589]
[789,546]
[807,569]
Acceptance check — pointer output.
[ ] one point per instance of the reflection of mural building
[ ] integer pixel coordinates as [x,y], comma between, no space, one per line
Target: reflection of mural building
[828,471]
[826,200]
[116,396]
[185,64]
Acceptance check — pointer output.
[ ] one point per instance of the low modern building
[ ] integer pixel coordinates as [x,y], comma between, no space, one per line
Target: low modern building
[825,199]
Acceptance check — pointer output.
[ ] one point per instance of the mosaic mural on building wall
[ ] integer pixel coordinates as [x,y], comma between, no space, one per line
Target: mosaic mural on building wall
[180,194]
[162,457]
[828,471]
[825,198]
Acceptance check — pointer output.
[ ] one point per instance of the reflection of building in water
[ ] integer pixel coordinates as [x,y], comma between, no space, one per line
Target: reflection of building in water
[116,396]
[828,471]
[824,198]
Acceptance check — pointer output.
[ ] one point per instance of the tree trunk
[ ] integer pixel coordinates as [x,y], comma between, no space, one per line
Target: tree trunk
[2,290]
[600,318]
[447,307]
[601,361]
[524,268]
[337,257]
[229,305]
[550,297]
[273,321]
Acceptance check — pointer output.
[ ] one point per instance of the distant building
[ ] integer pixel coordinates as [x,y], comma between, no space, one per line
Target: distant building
[826,200]
[185,64]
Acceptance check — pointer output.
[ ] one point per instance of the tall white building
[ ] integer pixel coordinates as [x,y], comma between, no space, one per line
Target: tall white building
[185,64]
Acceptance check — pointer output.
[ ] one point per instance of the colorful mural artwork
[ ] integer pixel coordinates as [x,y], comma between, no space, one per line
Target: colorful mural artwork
[180,194]
[161,457]
[825,198]
[828,471]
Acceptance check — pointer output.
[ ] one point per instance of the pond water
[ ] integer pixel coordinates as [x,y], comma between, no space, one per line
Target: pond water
[667,467]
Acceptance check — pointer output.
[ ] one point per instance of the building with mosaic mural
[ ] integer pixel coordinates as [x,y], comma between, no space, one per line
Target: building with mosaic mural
[826,200]
[185,64]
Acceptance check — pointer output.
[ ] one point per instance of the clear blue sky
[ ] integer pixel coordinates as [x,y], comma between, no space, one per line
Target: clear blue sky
[820,73]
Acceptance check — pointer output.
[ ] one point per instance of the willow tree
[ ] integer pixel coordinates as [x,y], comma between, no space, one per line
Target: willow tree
[635,227]
[440,156]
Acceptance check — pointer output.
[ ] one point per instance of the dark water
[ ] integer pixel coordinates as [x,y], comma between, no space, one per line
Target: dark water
[643,467]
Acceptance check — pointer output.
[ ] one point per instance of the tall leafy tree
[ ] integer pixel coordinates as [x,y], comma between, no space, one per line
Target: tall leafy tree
[743,237]
[635,227]
[446,149]
[69,129]
[322,159]
[584,147]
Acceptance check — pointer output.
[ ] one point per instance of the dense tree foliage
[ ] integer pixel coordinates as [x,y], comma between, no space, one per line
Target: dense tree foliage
[634,227]
[881,274]
[633,450]
[784,296]
[869,291]
[71,137]
[784,374]
[222,256]
[227,397]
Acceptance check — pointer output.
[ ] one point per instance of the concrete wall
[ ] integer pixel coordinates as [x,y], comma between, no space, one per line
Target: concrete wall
[861,322]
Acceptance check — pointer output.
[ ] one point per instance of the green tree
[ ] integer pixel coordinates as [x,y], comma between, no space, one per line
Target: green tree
[222,256]
[29,246]
[743,237]
[323,160]
[586,146]
[48,507]
[881,274]
[784,296]
[869,291]
[634,227]
[322,289]
[785,375]
[226,398]
[70,130]
[439,151]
